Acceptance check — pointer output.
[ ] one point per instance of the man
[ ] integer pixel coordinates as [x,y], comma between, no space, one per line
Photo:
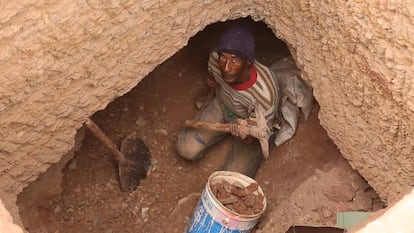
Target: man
[240,84]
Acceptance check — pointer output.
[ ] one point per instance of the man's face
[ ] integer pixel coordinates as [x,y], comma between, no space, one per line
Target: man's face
[234,69]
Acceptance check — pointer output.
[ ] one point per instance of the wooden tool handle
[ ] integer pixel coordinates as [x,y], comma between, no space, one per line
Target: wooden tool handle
[261,135]
[104,139]
[208,125]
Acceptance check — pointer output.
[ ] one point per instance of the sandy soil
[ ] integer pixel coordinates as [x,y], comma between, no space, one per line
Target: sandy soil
[91,200]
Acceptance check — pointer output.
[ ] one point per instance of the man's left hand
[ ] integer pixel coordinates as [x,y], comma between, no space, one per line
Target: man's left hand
[248,140]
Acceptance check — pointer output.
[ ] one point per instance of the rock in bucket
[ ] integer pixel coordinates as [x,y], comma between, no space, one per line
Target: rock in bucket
[230,202]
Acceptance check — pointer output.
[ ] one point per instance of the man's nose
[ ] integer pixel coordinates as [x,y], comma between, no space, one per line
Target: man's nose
[227,66]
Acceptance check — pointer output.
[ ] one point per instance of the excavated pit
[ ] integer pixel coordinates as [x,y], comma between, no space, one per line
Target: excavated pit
[306,180]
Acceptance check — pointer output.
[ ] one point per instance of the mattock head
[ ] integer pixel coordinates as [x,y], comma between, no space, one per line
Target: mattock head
[264,131]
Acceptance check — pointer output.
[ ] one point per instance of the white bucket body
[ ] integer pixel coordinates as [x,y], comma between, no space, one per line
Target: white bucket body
[212,216]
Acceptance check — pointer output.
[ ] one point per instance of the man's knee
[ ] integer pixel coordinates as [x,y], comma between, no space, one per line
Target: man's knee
[187,151]
[188,147]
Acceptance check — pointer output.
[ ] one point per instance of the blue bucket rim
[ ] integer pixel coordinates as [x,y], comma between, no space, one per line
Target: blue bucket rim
[237,175]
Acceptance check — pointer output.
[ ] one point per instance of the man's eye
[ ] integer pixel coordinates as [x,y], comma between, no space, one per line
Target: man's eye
[222,58]
[235,60]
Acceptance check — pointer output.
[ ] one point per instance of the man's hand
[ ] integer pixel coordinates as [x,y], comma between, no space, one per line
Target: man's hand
[203,101]
[240,131]
[248,139]
[211,82]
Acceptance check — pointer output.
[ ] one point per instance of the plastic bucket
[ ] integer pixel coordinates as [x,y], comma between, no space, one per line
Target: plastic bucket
[212,216]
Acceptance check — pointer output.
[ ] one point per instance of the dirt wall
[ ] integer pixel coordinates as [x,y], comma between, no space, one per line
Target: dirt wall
[61,61]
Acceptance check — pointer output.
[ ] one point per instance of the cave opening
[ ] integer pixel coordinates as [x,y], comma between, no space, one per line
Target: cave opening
[306,178]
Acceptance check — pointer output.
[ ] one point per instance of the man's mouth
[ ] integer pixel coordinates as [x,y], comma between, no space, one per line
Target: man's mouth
[228,76]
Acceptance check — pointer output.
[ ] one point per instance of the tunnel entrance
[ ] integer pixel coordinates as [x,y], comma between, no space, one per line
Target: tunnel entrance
[305,180]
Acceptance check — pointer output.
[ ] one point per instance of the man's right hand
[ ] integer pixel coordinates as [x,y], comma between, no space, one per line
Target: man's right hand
[204,100]
[211,82]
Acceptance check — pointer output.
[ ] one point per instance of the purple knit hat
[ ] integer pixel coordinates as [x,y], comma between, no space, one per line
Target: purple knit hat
[238,41]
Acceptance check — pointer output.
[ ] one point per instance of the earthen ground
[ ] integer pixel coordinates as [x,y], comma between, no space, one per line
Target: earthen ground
[91,200]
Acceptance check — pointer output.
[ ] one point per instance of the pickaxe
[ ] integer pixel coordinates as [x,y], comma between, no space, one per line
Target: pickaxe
[241,128]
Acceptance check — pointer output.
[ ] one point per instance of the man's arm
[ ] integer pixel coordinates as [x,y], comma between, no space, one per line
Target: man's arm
[206,99]
[211,82]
